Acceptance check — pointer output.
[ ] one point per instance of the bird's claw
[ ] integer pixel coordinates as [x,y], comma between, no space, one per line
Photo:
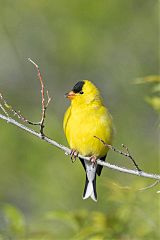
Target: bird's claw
[74,154]
[93,160]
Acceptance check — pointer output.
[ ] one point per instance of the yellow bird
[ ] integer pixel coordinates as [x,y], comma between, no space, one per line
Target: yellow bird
[85,118]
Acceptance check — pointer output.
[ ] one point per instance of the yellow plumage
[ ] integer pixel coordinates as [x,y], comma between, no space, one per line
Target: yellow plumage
[85,118]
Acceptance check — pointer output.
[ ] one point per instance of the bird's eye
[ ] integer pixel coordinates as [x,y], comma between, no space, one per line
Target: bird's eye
[81,92]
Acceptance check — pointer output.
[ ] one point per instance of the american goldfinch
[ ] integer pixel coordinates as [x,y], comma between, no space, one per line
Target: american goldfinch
[85,118]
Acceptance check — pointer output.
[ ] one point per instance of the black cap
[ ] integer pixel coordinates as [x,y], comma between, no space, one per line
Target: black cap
[78,87]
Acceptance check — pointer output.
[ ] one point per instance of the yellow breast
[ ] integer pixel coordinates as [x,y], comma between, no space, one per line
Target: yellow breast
[83,123]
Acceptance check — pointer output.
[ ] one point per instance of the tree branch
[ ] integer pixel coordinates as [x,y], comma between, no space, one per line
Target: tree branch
[68,151]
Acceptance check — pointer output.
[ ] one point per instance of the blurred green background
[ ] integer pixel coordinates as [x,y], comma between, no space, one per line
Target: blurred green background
[112,43]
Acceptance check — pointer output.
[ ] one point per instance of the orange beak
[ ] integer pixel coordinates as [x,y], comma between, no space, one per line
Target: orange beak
[70,95]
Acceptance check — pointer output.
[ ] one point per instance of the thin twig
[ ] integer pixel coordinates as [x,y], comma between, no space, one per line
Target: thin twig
[1,106]
[141,189]
[44,106]
[68,151]
[48,100]
[4,110]
[126,154]
[130,156]
[42,93]
[150,186]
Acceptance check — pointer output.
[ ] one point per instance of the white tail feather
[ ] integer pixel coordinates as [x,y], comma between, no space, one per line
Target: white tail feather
[93,197]
[90,180]
[90,192]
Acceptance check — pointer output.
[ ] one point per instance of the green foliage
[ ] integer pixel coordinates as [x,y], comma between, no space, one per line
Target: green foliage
[126,218]
[14,222]
[154,102]
[154,81]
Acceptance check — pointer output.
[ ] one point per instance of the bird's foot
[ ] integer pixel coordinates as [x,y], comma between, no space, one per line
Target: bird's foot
[74,154]
[93,160]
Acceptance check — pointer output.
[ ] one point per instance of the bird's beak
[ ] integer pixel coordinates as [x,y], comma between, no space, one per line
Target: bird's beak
[70,95]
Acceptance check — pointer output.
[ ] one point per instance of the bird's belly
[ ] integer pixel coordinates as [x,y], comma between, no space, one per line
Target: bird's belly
[81,136]
[89,146]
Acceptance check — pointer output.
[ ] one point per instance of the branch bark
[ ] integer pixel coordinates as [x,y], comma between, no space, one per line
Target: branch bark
[68,151]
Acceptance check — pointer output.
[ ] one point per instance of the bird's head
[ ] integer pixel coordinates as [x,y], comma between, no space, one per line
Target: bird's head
[84,92]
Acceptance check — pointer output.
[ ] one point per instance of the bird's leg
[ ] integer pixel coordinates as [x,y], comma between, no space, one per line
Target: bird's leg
[74,154]
[93,160]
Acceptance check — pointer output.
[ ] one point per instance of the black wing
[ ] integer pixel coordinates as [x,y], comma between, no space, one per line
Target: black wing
[82,161]
[99,167]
